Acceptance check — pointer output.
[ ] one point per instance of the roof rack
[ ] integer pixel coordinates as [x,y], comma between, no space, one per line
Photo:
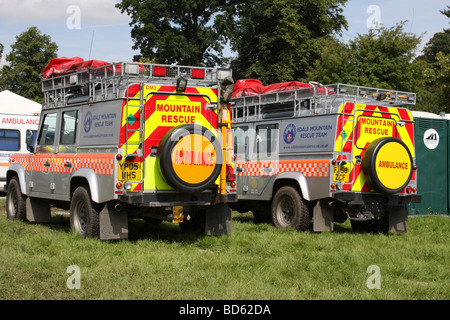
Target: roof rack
[381,96]
[360,94]
[106,82]
[314,100]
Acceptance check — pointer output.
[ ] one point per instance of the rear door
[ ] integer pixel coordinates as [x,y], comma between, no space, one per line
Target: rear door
[372,123]
[241,134]
[263,157]
[166,109]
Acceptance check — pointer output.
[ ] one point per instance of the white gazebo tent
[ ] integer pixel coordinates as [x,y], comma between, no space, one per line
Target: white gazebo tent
[12,103]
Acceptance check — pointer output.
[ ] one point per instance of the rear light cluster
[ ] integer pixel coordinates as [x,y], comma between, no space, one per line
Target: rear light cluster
[231,176]
[159,71]
[119,184]
[410,189]
[196,73]
[336,186]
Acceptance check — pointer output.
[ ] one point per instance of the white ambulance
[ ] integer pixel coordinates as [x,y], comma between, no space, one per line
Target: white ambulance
[18,116]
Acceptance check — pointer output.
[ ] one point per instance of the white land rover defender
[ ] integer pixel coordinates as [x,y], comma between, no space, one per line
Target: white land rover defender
[127,140]
[330,153]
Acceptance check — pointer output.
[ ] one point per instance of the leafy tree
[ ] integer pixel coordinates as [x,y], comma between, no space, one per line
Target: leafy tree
[380,58]
[278,40]
[29,55]
[438,76]
[383,57]
[274,40]
[334,64]
[184,32]
[446,12]
[440,42]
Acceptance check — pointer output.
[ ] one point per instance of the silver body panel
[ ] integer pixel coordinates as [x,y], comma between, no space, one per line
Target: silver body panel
[97,131]
[306,138]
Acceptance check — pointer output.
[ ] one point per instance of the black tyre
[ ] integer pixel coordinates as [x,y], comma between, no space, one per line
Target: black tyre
[290,210]
[166,158]
[84,214]
[16,208]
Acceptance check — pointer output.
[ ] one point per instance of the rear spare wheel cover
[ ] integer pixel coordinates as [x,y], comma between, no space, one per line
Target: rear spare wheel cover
[387,165]
[190,158]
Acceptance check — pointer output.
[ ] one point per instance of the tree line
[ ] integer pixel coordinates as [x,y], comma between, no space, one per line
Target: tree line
[273,41]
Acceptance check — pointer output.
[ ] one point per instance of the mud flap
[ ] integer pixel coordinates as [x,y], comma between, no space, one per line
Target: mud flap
[113,224]
[218,220]
[38,210]
[398,219]
[323,217]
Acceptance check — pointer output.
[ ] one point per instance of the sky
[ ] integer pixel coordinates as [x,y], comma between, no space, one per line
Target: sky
[95,29]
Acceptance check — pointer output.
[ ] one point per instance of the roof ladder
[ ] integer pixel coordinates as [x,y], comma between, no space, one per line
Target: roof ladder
[134,147]
[344,140]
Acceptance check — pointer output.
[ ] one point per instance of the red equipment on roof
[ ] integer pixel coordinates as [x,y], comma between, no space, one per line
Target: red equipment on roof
[249,87]
[61,66]
[285,86]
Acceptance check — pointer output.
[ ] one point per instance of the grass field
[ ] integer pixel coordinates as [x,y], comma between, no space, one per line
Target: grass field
[256,262]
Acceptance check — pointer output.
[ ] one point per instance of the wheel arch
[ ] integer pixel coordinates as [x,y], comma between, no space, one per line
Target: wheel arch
[16,170]
[295,179]
[86,176]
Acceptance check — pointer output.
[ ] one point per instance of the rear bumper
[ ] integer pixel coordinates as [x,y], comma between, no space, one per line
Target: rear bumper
[164,199]
[357,199]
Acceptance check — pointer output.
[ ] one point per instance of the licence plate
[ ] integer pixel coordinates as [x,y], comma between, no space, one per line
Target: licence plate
[341,175]
[130,171]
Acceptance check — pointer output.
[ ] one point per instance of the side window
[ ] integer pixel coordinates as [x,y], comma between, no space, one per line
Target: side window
[48,130]
[240,140]
[34,133]
[266,140]
[69,127]
[9,140]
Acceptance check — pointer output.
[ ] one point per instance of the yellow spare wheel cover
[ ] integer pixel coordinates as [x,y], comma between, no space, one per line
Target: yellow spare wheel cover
[190,158]
[387,165]
[194,158]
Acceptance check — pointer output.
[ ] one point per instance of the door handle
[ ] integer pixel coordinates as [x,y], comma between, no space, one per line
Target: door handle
[68,165]
[46,164]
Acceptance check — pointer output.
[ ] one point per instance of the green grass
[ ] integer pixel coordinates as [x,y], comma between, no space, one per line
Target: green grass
[257,262]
